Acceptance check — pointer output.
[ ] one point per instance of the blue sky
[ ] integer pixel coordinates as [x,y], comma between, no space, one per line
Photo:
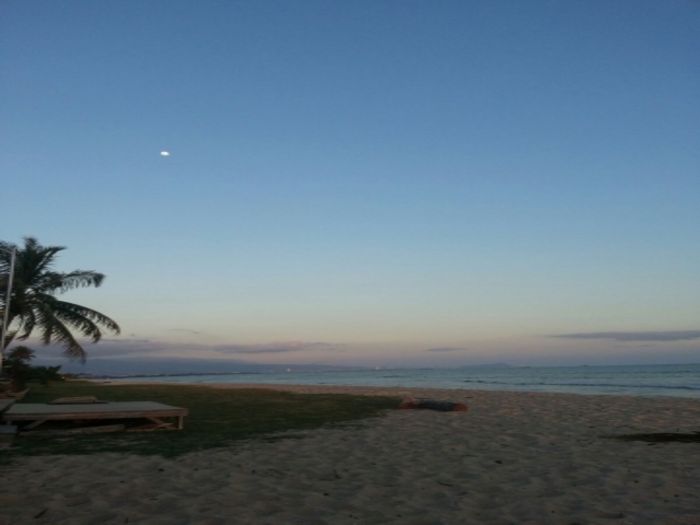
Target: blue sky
[361,182]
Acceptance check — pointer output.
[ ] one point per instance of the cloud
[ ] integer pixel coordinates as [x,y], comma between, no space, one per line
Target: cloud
[445,349]
[257,350]
[665,336]
[128,347]
[277,348]
[185,330]
[107,347]
[125,340]
[123,347]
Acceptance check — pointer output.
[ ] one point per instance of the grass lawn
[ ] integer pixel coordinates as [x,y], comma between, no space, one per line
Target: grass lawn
[216,418]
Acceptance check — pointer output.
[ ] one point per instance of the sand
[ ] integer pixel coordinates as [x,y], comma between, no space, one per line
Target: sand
[517,458]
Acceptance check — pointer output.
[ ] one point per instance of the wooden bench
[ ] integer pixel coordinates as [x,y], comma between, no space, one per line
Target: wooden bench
[31,415]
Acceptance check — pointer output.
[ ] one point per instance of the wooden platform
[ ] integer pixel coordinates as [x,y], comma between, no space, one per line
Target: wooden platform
[35,414]
[6,403]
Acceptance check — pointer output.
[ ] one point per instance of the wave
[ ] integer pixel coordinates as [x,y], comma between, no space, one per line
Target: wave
[592,385]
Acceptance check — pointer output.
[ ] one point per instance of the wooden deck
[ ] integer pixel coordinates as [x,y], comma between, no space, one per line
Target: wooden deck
[6,403]
[35,414]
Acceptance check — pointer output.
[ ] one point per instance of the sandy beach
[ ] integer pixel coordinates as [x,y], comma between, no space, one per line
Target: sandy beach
[518,458]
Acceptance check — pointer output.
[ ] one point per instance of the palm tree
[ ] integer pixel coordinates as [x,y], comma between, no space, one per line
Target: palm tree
[33,303]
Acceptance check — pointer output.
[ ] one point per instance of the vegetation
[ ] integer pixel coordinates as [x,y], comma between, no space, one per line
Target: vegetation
[217,417]
[33,303]
[17,368]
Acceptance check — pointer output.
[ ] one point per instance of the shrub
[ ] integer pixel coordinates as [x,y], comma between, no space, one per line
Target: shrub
[18,369]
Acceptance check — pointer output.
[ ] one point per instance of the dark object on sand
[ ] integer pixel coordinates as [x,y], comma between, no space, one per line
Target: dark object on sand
[432,404]
[661,437]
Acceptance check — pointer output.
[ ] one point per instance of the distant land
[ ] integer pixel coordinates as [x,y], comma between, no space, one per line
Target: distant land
[488,365]
[150,367]
[179,366]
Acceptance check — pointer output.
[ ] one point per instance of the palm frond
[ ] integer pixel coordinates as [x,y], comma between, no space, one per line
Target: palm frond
[34,307]
[71,348]
[27,322]
[88,313]
[9,337]
[82,324]
[35,261]
[80,279]
[53,330]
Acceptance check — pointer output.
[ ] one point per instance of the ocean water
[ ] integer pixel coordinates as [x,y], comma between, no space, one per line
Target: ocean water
[638,380]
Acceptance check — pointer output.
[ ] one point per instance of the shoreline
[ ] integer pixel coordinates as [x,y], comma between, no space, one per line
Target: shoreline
[450,393]
[514,457]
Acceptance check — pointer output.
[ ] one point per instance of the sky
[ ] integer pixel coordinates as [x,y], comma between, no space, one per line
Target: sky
[380,183]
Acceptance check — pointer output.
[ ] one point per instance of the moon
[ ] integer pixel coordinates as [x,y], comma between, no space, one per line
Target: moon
[164,153]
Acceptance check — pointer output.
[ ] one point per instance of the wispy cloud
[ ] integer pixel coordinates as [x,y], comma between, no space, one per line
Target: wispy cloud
[444,349]
[125,340]
[107,347]
[258,350]
[132,347]
[128,347]
[277,348]
[185,330]
[665,336]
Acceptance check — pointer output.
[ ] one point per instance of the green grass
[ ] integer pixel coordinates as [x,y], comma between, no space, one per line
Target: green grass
[217,417]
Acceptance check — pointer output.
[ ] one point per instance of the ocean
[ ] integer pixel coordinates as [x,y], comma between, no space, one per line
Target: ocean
[637,380]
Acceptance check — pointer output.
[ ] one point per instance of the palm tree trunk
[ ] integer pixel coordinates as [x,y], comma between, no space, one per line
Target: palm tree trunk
[6,313]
